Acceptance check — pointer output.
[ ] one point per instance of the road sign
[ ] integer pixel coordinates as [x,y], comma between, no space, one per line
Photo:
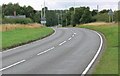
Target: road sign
[110,13]
[43,20]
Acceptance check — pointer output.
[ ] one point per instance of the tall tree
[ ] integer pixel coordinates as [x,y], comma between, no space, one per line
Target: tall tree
[86,17]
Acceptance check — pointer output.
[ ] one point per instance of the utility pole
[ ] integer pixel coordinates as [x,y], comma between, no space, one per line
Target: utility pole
[97,9]
[58,18]
[109,19]
[44,14]
[66,15]
[74,6]
[41,12]
[44,8]
[61,17]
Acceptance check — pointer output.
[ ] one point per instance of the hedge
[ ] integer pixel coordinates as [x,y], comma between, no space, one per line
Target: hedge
[16,20]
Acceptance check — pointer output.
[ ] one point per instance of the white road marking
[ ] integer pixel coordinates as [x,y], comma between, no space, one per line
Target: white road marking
[70,38]
[46,51]
[12,65]
[75,33]
[62,43]
[95,57]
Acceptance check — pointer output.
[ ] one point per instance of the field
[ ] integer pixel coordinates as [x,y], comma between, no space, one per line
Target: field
[7,27]
[99,24]
[108,63]
[15,35]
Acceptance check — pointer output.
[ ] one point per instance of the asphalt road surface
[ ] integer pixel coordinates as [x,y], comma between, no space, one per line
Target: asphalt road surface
[67,51]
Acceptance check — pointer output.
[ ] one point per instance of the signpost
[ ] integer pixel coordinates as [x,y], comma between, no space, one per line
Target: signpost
[43,20]
[110,13]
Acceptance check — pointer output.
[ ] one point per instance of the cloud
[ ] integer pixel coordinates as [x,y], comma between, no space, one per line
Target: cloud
[63,4]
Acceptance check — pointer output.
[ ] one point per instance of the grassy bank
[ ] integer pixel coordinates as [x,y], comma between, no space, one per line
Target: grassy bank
[109,61]
[19,36]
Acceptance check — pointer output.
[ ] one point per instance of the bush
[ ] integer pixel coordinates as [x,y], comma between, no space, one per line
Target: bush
[102,17]
[16,20]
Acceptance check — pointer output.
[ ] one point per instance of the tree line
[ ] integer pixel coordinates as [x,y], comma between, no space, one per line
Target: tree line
[72,16]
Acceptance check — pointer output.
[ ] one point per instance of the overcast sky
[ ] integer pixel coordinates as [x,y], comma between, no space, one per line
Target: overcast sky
[65,4]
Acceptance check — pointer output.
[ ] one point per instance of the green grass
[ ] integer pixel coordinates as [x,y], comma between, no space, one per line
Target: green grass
[21,36]
[109,61]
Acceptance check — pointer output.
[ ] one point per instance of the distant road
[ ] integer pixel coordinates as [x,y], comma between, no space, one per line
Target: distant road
[67,51]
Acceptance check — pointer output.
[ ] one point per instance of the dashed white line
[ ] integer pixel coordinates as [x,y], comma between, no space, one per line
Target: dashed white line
[62,43]
[46,51]
[70,38]
[12,65]
[75,33]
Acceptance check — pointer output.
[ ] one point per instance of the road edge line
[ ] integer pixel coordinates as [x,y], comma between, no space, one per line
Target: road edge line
[95,57]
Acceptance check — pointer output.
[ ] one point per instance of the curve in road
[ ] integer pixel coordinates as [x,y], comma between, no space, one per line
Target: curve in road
[68,51]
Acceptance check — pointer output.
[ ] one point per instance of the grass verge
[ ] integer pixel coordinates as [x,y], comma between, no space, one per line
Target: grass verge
[109,61]
[20,36]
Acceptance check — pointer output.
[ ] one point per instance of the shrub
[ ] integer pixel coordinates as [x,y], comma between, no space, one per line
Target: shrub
[102,17]
[16,20]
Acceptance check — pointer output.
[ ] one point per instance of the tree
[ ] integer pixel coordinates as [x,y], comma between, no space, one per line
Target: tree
[73,21]
[86,17]
[8,9]
[102,17]
[104,11]
[51,18]
[94,12]
[117,16]
[36,17]
[71,9]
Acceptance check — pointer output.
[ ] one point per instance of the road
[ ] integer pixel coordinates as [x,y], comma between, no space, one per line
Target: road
[67,51]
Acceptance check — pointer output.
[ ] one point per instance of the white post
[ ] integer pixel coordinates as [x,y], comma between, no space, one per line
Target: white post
[112,18]
[41,11]
[109,19]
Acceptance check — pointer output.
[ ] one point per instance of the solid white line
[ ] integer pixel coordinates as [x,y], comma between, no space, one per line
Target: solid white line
[62,43]
[95,57]
[46,51]
[12,65]
[70,38]
[26,44]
